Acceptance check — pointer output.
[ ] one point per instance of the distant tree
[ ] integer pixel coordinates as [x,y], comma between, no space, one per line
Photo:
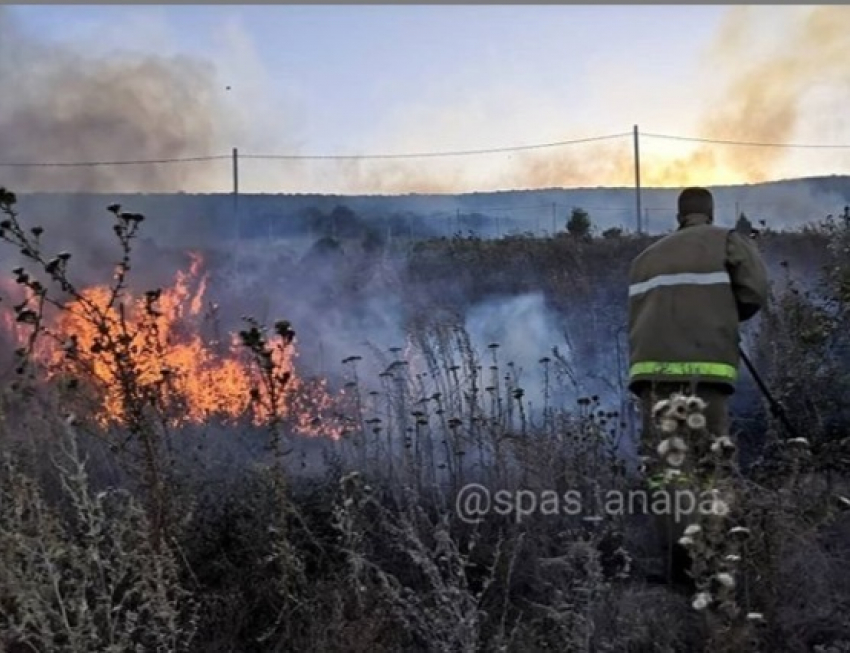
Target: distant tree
[612,233]
[344,222]
[743,226]
[579,224]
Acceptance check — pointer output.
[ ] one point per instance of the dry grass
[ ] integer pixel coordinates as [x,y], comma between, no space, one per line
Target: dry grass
[372,555]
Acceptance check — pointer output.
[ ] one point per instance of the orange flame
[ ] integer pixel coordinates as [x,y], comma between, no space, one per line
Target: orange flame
[198,378]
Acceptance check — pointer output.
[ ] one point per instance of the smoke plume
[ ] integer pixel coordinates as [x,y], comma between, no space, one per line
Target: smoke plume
[764,79]
[764,82]
[63,105]
[765,97]
[762,96]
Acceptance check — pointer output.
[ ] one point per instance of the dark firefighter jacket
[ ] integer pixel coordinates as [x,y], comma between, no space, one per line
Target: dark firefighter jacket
[687,294]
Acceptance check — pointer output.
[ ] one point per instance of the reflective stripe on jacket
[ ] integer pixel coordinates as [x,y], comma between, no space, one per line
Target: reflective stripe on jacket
[687,294]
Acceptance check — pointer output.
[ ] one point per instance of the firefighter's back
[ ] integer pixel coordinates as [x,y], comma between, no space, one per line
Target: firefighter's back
[683,320]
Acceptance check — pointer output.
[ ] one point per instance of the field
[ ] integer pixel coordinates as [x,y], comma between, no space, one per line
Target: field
[203,457]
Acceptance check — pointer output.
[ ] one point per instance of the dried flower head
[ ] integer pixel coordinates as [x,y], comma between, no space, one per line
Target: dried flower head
[723,444]
[701,601]
[686,541]
[678,406]
[740,531]
[675,458]
[678,444]
[726,579]
[660,408]
[668,425]
[695,404]
[693,529]
[696,421]
[799,442]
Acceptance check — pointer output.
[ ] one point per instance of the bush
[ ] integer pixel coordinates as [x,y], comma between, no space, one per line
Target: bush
[85,576]
[579,224]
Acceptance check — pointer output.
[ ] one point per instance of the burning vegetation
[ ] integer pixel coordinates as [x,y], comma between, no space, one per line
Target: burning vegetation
[122,350]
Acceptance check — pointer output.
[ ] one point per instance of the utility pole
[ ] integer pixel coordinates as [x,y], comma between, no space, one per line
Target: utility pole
[236,219]
[637,178]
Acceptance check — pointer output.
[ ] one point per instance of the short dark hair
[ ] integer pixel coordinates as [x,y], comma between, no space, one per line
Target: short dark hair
[696,200]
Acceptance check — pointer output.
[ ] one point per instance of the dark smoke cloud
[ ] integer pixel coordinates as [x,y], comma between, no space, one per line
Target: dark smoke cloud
[61,104]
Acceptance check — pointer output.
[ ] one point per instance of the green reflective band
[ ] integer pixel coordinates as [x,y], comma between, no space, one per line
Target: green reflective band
[721,370]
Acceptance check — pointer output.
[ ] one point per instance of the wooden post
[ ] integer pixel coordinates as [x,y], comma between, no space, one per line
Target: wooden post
[236,217]
[637,178]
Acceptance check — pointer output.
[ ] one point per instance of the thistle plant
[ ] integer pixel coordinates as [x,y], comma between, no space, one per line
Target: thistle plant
[705,462]
[678,419]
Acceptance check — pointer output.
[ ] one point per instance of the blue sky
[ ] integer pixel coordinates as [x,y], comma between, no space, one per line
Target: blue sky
[349,67]
[396,78]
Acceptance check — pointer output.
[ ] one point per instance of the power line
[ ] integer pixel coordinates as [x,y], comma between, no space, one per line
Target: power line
[92,164]
[422,155]
[693,139]
[406,155]
[414,155]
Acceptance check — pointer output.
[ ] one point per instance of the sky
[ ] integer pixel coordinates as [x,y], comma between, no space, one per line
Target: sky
[361,79]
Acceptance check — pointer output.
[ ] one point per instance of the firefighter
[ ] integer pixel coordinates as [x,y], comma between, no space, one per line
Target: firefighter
[688,293]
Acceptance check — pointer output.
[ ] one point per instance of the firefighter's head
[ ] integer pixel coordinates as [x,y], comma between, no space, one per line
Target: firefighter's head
[695,200]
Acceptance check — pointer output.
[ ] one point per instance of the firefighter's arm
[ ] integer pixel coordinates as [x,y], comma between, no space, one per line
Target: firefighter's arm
[748,274]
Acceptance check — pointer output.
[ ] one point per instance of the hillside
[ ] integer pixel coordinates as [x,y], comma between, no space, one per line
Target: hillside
[203,220]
